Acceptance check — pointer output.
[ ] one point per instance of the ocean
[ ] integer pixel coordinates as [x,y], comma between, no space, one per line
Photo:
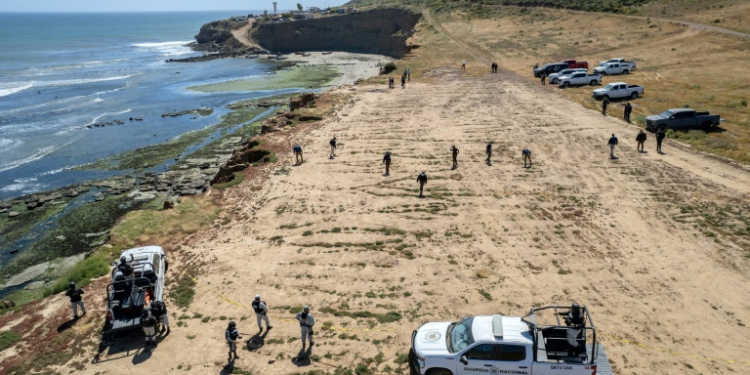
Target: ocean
[60,73]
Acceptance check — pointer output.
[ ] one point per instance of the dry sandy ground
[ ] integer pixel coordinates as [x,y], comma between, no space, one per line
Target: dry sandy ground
[620,236]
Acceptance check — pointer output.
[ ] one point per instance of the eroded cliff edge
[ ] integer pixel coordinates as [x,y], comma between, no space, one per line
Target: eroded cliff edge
[382,31]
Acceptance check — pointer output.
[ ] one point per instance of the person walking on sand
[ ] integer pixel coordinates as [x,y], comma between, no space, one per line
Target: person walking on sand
[387,161]
[641,138]
[306,323]
[605,103]
[422,180]
[627,112]
[232,335]
[76,299]
[298,154]
[403,81]
[261,313]
[612,144]
[544,79]
[454,152]
[408,74]
[332,142]
[463,65]
[148,322]
[660,135]
[489,153]
[526,157]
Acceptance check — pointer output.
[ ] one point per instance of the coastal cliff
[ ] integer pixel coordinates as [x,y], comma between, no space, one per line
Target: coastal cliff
[382,31]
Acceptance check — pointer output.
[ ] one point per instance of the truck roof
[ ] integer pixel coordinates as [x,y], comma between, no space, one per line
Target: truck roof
[681,110]
[501,328]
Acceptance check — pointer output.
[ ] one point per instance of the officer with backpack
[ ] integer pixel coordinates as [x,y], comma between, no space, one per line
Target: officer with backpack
[76,299]
[306,323]
[232,335]
[641,138]
[422,179]
[261,312]
[159,311]
[387,161]
[298,154]
[332,142]
[148,322]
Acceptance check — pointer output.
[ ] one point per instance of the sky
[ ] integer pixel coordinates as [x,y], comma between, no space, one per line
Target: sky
[154,5]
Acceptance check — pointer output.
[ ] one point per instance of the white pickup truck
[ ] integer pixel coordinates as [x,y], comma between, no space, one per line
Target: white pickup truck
[621,61]
[578,79]
[612,69]
[554,76]
[618,90]
[497,344]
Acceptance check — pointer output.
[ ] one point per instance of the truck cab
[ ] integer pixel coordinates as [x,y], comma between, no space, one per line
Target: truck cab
[497,344]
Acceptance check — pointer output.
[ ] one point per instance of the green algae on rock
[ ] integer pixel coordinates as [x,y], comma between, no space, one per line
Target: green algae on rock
[295,77]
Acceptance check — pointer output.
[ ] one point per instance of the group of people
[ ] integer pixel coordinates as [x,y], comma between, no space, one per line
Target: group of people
[406,76]
[640,139]
[493,67]
[304,318]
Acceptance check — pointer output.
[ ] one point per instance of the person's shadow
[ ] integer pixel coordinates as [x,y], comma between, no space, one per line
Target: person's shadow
[228,369]
[303,358]
[142,356]
[257,341]
[453,168]
[67,325]
[386,174]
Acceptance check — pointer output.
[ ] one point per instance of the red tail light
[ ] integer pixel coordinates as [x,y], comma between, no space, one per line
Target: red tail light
[593,368]
[111,318]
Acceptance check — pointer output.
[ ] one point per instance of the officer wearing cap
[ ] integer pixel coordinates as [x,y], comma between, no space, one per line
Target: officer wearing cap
[306,323]
[261,312]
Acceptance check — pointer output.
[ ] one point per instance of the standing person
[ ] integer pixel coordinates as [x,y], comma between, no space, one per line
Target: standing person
[640,138]
[575,322]
[489,152]
[408,74]
[463,65]
[627,112]
[298,154]
[403,81]
[261,312]
[125,268]
[526,156]
[76,299]
[387,161]
[454,152]
[660,135]
[422,179]
[159,311]
[544,78]
[232,335]
[148,322]
[306,323]
[332,142]
[605,103]
[612,144]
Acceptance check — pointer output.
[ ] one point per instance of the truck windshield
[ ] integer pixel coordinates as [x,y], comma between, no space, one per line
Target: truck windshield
[666,114]
[459,335]
[609,87]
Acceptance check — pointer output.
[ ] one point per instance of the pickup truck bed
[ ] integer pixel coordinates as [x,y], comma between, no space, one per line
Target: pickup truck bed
[602,362]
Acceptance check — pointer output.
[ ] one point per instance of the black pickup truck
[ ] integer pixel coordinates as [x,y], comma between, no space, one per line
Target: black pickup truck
[682,118]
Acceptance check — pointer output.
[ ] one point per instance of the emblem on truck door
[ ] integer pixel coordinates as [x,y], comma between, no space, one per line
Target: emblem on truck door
[432,336]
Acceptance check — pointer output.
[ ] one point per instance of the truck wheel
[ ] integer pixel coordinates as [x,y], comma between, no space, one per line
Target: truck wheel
[566,84]
[439,371]
[634,95]
[625,72]
[706,125]
[592,83]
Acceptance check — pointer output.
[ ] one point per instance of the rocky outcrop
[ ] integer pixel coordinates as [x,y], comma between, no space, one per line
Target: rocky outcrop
[382,31]
[220,33]
[241,159]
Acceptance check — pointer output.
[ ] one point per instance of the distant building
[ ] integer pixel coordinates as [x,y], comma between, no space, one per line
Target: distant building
[341,11]
[314,10]
[303,16]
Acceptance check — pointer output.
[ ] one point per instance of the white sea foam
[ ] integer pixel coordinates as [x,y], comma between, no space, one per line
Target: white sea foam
[166,48]
[55,171]
[5,91]
[112,114]
[4,166]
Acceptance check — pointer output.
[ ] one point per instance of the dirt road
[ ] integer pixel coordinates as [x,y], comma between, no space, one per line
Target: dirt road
[653,244]
[241,35]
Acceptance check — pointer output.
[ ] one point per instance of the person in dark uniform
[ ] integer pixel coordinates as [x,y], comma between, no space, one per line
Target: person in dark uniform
[489,153]
[660,135]
[332,142]
[422,179]
[526,156]
[261,312]
[454,152]
[387,161]
[640,138]
[148,322]
[605,103]
[159,311]
[575,322]
[125,268]
[403,81]
[612,144]
[76,299]
[232,335]
[627,112]
[544,79]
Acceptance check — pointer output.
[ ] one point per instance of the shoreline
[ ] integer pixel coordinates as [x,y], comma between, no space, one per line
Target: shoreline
[145,184]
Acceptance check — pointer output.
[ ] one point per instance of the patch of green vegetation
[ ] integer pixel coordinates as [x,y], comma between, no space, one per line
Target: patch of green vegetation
[390,316]
[485,294]
[239,371]
[294,77]
[183,292]
[7,339]
[236,180]
[94,266]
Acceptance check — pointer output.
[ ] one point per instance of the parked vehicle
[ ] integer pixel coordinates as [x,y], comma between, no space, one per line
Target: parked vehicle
[499,344]
[579,78]
[553,77]
[618,90]
[576,64]
[682,118]
[612,69]
[621,61]
[549,69]
[128,297]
